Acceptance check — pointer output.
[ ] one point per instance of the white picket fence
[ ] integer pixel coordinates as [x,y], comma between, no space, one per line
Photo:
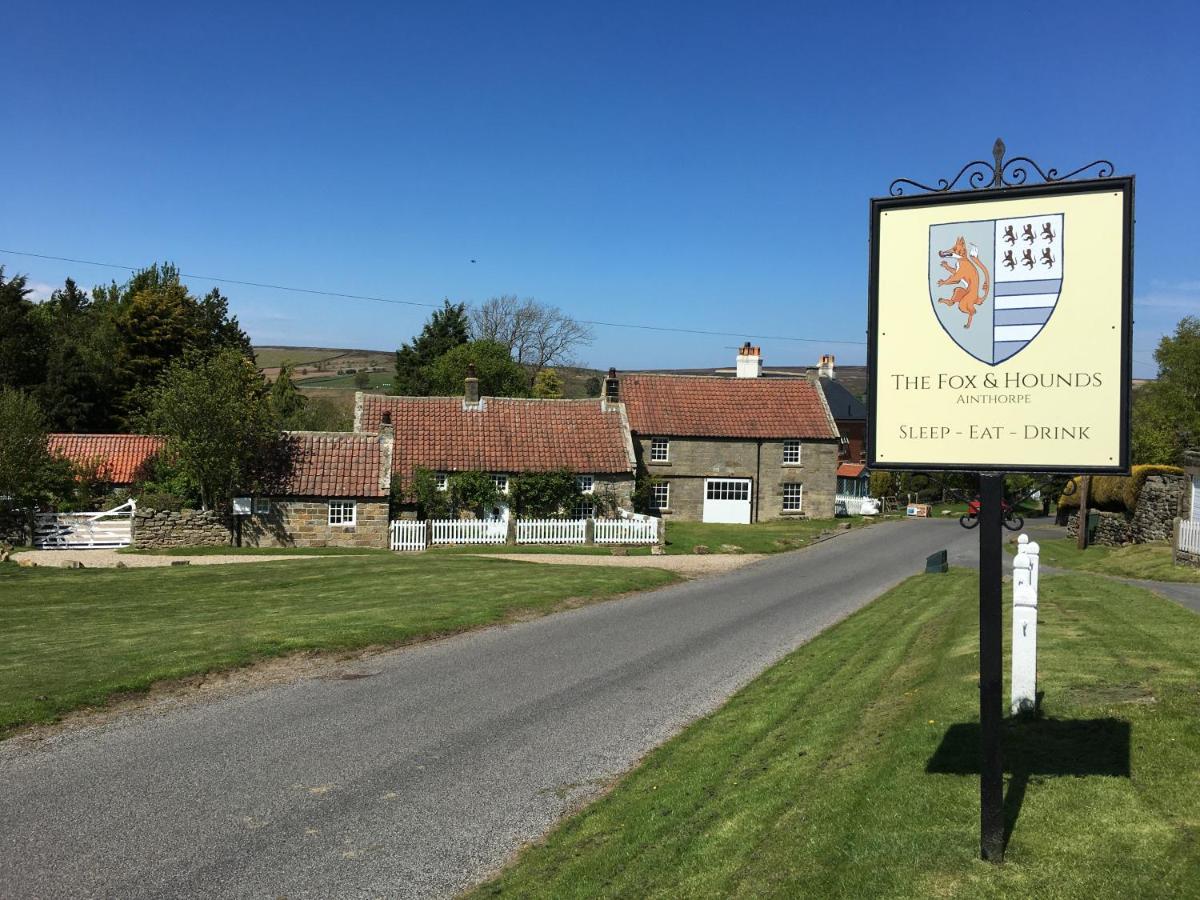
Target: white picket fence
[85,531]
[407,536]
[551,531]
[640,530]
[1189,536]
[467,531]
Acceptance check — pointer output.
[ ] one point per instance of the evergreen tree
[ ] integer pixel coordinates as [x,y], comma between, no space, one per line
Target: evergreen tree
[446,329]
[499,374]
[22,337]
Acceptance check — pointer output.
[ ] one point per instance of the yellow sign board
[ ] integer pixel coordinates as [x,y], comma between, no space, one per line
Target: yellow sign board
[1000,328]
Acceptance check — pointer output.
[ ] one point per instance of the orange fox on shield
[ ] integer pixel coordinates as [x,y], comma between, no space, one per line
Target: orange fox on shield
[967,293]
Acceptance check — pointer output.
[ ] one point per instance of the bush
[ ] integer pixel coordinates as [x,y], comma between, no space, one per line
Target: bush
[423,491]
[1117,493]
[474,491]
[541,494]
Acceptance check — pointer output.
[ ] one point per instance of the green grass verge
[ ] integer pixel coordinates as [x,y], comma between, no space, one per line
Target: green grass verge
[1149,561]
[71,638]
[813,782]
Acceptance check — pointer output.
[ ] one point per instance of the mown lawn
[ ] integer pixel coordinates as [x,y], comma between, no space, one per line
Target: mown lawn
[71,638]
[1151,561]
[683,537]
[848,770]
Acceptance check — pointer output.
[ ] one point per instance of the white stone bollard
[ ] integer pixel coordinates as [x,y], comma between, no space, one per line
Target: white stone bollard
[1024,639]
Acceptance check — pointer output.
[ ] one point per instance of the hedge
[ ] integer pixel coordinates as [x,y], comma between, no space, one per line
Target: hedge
[1115,492]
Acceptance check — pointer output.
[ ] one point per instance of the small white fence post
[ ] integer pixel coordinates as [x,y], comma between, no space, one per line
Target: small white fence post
[1024,623]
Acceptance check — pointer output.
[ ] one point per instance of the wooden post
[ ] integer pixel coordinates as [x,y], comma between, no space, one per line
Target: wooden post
[1085,485]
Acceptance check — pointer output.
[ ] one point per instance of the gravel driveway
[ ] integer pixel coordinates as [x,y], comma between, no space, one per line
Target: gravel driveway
[108,559]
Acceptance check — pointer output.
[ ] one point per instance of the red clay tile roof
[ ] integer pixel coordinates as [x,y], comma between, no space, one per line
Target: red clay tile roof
[506,435]
[850,470]
[335,464]
[707,406]
[118,456]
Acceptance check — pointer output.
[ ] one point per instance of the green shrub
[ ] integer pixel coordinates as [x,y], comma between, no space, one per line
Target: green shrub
[540,494]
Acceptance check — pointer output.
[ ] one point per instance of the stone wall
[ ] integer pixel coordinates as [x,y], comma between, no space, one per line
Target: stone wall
[304,522]
[1159,503]
[694,459]
[158,530]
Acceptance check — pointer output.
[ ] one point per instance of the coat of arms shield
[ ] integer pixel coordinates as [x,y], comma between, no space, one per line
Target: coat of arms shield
[994,283]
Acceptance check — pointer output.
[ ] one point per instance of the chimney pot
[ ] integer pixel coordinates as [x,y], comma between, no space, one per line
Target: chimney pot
[612,387]
[825,368]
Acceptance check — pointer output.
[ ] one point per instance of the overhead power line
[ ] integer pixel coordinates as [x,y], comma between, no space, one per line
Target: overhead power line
[366,297]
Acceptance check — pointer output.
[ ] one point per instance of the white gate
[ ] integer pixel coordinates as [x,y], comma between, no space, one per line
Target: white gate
[467,531]
[551,531]
[406,536]
[85,531]
[1189,537]
[642,530]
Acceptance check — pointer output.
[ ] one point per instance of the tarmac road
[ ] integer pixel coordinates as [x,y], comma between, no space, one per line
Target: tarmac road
[438,762]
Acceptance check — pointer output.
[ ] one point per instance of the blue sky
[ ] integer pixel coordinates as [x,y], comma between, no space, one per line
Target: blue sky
[690,164]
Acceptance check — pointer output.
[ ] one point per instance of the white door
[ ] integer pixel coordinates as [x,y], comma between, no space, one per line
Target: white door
[727,500]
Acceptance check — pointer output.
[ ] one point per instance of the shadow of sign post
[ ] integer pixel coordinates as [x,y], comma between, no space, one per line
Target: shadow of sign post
[1037,747]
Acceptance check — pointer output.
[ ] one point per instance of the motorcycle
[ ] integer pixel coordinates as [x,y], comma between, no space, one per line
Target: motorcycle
[1011,520]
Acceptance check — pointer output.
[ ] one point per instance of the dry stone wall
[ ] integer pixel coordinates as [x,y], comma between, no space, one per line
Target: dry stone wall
[1159,503]
[163,529]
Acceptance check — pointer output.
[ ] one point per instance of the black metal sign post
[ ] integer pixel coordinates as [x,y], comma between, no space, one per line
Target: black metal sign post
[998,180]
[991,662]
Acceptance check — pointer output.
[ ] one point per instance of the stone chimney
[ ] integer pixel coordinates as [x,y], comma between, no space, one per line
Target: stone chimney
[612,387]
[825,367]
[387,447]
[471,388]
[749,362]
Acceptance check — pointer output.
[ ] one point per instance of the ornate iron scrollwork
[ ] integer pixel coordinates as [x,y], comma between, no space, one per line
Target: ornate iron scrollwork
[1012,172]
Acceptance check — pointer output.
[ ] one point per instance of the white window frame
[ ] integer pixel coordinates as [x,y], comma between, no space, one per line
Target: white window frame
[583,509]
[799,498]
[262,506]
[663,488]
[663,445]
[501,483]
[788,447]
[586,483]
[441,481]
[338,513]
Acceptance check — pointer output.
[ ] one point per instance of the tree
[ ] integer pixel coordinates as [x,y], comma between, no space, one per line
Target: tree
[498,374]
[446,329]
[362,379]
[1166,412]
[71,394]
[537,335]
[593,386]
[29,475]
[220,426]
[432,502]
[22,339]
[286,400]
[548,384]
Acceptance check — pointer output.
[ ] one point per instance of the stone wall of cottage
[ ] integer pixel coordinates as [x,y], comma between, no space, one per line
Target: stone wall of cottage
[694,459]
[1159,503]
[163,529]
[304,522]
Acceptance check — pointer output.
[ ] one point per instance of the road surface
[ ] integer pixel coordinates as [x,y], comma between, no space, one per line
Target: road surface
[432,769]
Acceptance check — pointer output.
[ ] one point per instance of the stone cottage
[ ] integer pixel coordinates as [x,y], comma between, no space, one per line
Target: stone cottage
[507,436]
[744,449]
[335,496]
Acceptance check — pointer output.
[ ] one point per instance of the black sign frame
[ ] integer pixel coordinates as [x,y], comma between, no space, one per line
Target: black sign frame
[879,205]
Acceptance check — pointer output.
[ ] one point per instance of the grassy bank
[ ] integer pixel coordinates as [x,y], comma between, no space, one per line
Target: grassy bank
[71,638]
[849,769]
[1152,561]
